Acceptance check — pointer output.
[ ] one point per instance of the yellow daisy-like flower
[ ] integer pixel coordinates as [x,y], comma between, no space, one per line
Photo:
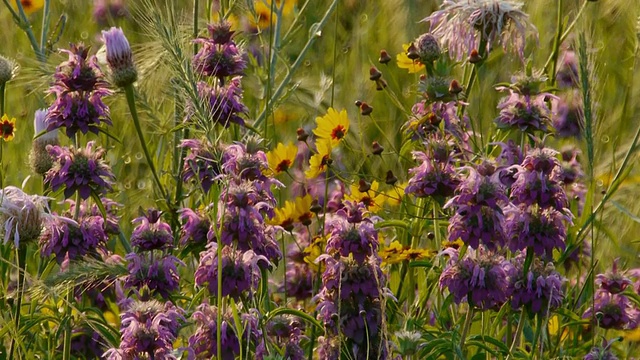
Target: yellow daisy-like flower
[391,254]
[302,212]
[282,157]
[457,244]
[284,216]
[414,66]
[29,6]
[263,11]
[417,254]
[8,127]
[372,199]
[313,251]
[333,126]
[394,195]
[320,160]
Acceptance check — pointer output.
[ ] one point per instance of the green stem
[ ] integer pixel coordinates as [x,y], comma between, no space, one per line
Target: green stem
[196,6]
[556,44]
[22,266]
[2,88]
[131,101]
[45,28]
[519,329]
[467,325]
[567,31]
[536,337]
[296,64]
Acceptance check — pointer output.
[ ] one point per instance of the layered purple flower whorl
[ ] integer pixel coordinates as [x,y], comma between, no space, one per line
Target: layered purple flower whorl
[204,340]
[67,238]
[148,330]
[601,352]
[613,281]
[196,227]
[159,274]
[240,271]
[202,163]
[79,87]
[526,113]
[81,169]
[151,233]
[223,103]
[541,229]
[360,240]
[537,181]
[613,311]
[219,56]
[481,278]
[431,178]
[540,291]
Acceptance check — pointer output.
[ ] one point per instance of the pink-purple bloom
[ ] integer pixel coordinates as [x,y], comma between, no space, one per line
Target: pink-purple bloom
[539,290]
[69,239]
[527,113]
[359,240]
[79,169]
[481,278]
[79,87]
[465,25]
[151,233]
[613,311]
[431,178]
[541,229]
[219,56]
[223,103]
[119,57]
[202,163]
[157,273]
[240,271]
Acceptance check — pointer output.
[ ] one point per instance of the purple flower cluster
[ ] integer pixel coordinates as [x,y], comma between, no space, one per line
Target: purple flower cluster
[69,239]
[532,226]
[601,352]
[151,233]
[479,216]
[540,290]
[204,342]
[481,278]
[528,113]
[148,330]
[196,227]
[79,87]
[286,331]
[431,177]
[360,239]
[300,275]
[81,169]
[426,119]
[240,271]
[223,103]
[202,163]
[219,55]
[153,272]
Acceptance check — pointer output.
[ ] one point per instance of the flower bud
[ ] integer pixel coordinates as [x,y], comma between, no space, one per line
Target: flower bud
[302,135]
[363,186]
[384,57]
[474,57]
[381,84]
[315,206]
[374,74]
[391,179]
[412,52]
[377,149]
[365,109]
[6,70]
[358,103]
[454,87]
[119,57]
[427,48]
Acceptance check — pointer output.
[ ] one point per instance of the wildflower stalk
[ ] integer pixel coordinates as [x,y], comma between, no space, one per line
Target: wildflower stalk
[22,266]
[556,44]
[536,337]
[20,18]
[566,33]
[466,326]
[519,330]
[2,89]
[131,101]
[45,28]
[296,64]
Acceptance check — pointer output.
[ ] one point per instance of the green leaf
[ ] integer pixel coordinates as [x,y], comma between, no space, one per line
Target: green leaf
[300,314]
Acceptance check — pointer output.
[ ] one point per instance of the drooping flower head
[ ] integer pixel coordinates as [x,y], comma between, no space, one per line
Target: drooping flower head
[119,57]
[463,25]
[480,278]
[540,290]
[151,233]
[22,216]
[79,169]
[79,87]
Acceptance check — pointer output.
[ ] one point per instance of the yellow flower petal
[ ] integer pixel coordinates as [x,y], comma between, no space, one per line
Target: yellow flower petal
[413,66]
[282,157]
[29,6]
[333,126]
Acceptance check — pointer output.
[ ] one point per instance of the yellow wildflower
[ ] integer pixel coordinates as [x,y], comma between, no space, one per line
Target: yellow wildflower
[372,199]
[302,212]
[394,195]
[29,6]
[263,11]
[284,216]
[414,66]
[282,157]
[313,251]
[320,160]
[391,254]
[7,127]
[333,126]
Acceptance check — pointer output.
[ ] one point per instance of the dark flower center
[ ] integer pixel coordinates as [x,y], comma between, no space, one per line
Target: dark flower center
[338,132]
[283,165]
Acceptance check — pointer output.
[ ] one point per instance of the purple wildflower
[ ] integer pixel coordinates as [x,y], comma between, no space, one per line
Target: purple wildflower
[111,208]
[222,103]
[460,24]
[158,274]
[541,229]
[86,344]
[67,238]
[79,87]
[568,116]
[196,227]
[204,341]
[151,233]
[613,311]
[81,169]
[359,240]
[104,10]
[481,278]
[602,352]
[119,57]
[287,331]
[567,74]
[21,215]
[240,271]
[431,178]
[426,118]
[148,329]
[540,290]
[202,162]
[219,56]
[613,281]
[537,181]
[527,113]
